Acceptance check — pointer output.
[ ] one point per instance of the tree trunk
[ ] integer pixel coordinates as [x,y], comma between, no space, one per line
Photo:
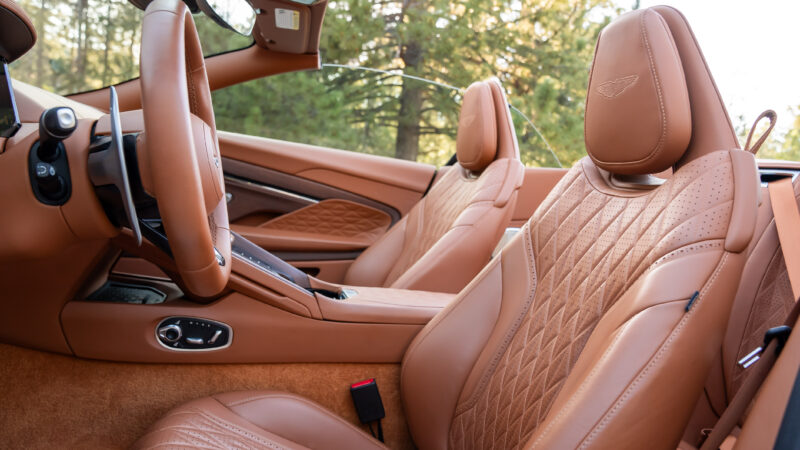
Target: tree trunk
[407,143]
[82,38]
[40,18]
[107,44]
[412,53]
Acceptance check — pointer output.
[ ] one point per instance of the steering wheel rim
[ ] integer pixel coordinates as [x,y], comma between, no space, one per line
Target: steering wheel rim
[185,173]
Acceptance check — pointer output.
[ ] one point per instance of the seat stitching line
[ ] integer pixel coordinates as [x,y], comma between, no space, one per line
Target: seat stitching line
[610,414]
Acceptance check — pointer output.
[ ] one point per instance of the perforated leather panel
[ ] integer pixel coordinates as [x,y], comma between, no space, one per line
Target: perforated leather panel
[588,246]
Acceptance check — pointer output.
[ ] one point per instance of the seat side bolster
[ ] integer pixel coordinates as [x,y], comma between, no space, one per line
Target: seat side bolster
[630,387]
[746,199]
[207,420]
[297,420]
[453,340]
[451,263]
[515,175]
[372,267]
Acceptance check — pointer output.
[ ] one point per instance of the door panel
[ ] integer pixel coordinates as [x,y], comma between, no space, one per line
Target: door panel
[329,225]
[267,193]
[315,207]
[392,182]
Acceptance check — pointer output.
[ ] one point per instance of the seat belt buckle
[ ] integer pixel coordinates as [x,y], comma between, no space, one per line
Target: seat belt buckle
[780,333]
[369,405]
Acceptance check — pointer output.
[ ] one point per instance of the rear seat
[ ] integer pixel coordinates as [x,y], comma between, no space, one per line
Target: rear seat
[763,301]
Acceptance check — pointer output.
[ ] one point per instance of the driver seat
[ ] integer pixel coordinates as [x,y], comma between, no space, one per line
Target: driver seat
[597,324]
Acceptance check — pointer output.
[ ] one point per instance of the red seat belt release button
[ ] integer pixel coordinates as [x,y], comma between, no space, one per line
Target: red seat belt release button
[367,400]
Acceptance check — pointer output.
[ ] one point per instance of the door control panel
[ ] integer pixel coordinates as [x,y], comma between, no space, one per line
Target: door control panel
[192,333]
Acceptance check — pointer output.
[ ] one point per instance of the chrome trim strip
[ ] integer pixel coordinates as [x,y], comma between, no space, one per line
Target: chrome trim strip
[263,188]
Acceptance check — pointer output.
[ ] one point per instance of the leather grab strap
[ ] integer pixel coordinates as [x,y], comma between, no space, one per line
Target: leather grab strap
[773,118]
[787,222]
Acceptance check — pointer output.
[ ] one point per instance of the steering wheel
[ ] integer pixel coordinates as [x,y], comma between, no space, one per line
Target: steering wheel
[181,156]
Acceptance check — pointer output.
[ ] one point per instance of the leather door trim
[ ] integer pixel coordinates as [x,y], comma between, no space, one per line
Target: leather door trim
[293,184]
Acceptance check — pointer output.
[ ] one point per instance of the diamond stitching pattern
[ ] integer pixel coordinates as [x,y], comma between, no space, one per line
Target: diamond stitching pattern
[334,218]
[443,209]
[588,248]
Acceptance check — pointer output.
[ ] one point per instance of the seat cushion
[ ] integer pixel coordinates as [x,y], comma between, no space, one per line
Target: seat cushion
[254,419]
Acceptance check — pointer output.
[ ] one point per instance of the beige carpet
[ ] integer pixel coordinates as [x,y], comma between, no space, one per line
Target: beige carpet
[55,401]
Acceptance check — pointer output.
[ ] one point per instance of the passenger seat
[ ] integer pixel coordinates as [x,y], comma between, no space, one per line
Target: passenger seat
[763,301]
[447,238]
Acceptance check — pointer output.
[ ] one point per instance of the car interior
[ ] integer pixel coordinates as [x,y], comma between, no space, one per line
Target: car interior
[166,284]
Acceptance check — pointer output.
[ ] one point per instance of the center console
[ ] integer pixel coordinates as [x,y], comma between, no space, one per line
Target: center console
[258,272]
[271,312]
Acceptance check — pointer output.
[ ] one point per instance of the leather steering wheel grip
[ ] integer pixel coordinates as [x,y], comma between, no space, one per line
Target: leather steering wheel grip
[182,148]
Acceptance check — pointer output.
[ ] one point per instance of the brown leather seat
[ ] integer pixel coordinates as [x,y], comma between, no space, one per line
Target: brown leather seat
[597,324]
[461,220]
[763,301]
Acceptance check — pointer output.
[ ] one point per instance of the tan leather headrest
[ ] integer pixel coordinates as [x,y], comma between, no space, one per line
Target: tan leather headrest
[476,144]
[638,116]
[17,34]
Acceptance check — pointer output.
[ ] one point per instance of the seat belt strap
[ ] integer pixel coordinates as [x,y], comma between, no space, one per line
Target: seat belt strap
[787,222]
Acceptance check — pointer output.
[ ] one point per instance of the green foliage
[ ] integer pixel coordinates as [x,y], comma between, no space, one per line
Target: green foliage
[83,44]
[301,107]
[89,44]
[783,144]
[541,51]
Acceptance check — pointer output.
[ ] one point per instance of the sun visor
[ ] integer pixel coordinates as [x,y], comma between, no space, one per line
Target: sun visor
[289,27]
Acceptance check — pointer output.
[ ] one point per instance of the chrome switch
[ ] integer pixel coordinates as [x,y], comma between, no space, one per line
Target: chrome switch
[195,340]
[214,338]
[171,333]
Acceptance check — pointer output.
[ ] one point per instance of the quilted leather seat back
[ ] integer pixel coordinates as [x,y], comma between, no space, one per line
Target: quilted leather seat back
[447,238]
[586,248]
[598,323]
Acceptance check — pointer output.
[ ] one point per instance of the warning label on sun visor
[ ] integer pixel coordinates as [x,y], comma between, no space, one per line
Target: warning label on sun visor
[288,19]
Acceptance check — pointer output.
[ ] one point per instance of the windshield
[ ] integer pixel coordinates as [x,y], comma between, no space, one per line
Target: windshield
[89,44]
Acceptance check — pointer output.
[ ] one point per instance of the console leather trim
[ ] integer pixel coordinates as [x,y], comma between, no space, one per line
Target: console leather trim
[262,334]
